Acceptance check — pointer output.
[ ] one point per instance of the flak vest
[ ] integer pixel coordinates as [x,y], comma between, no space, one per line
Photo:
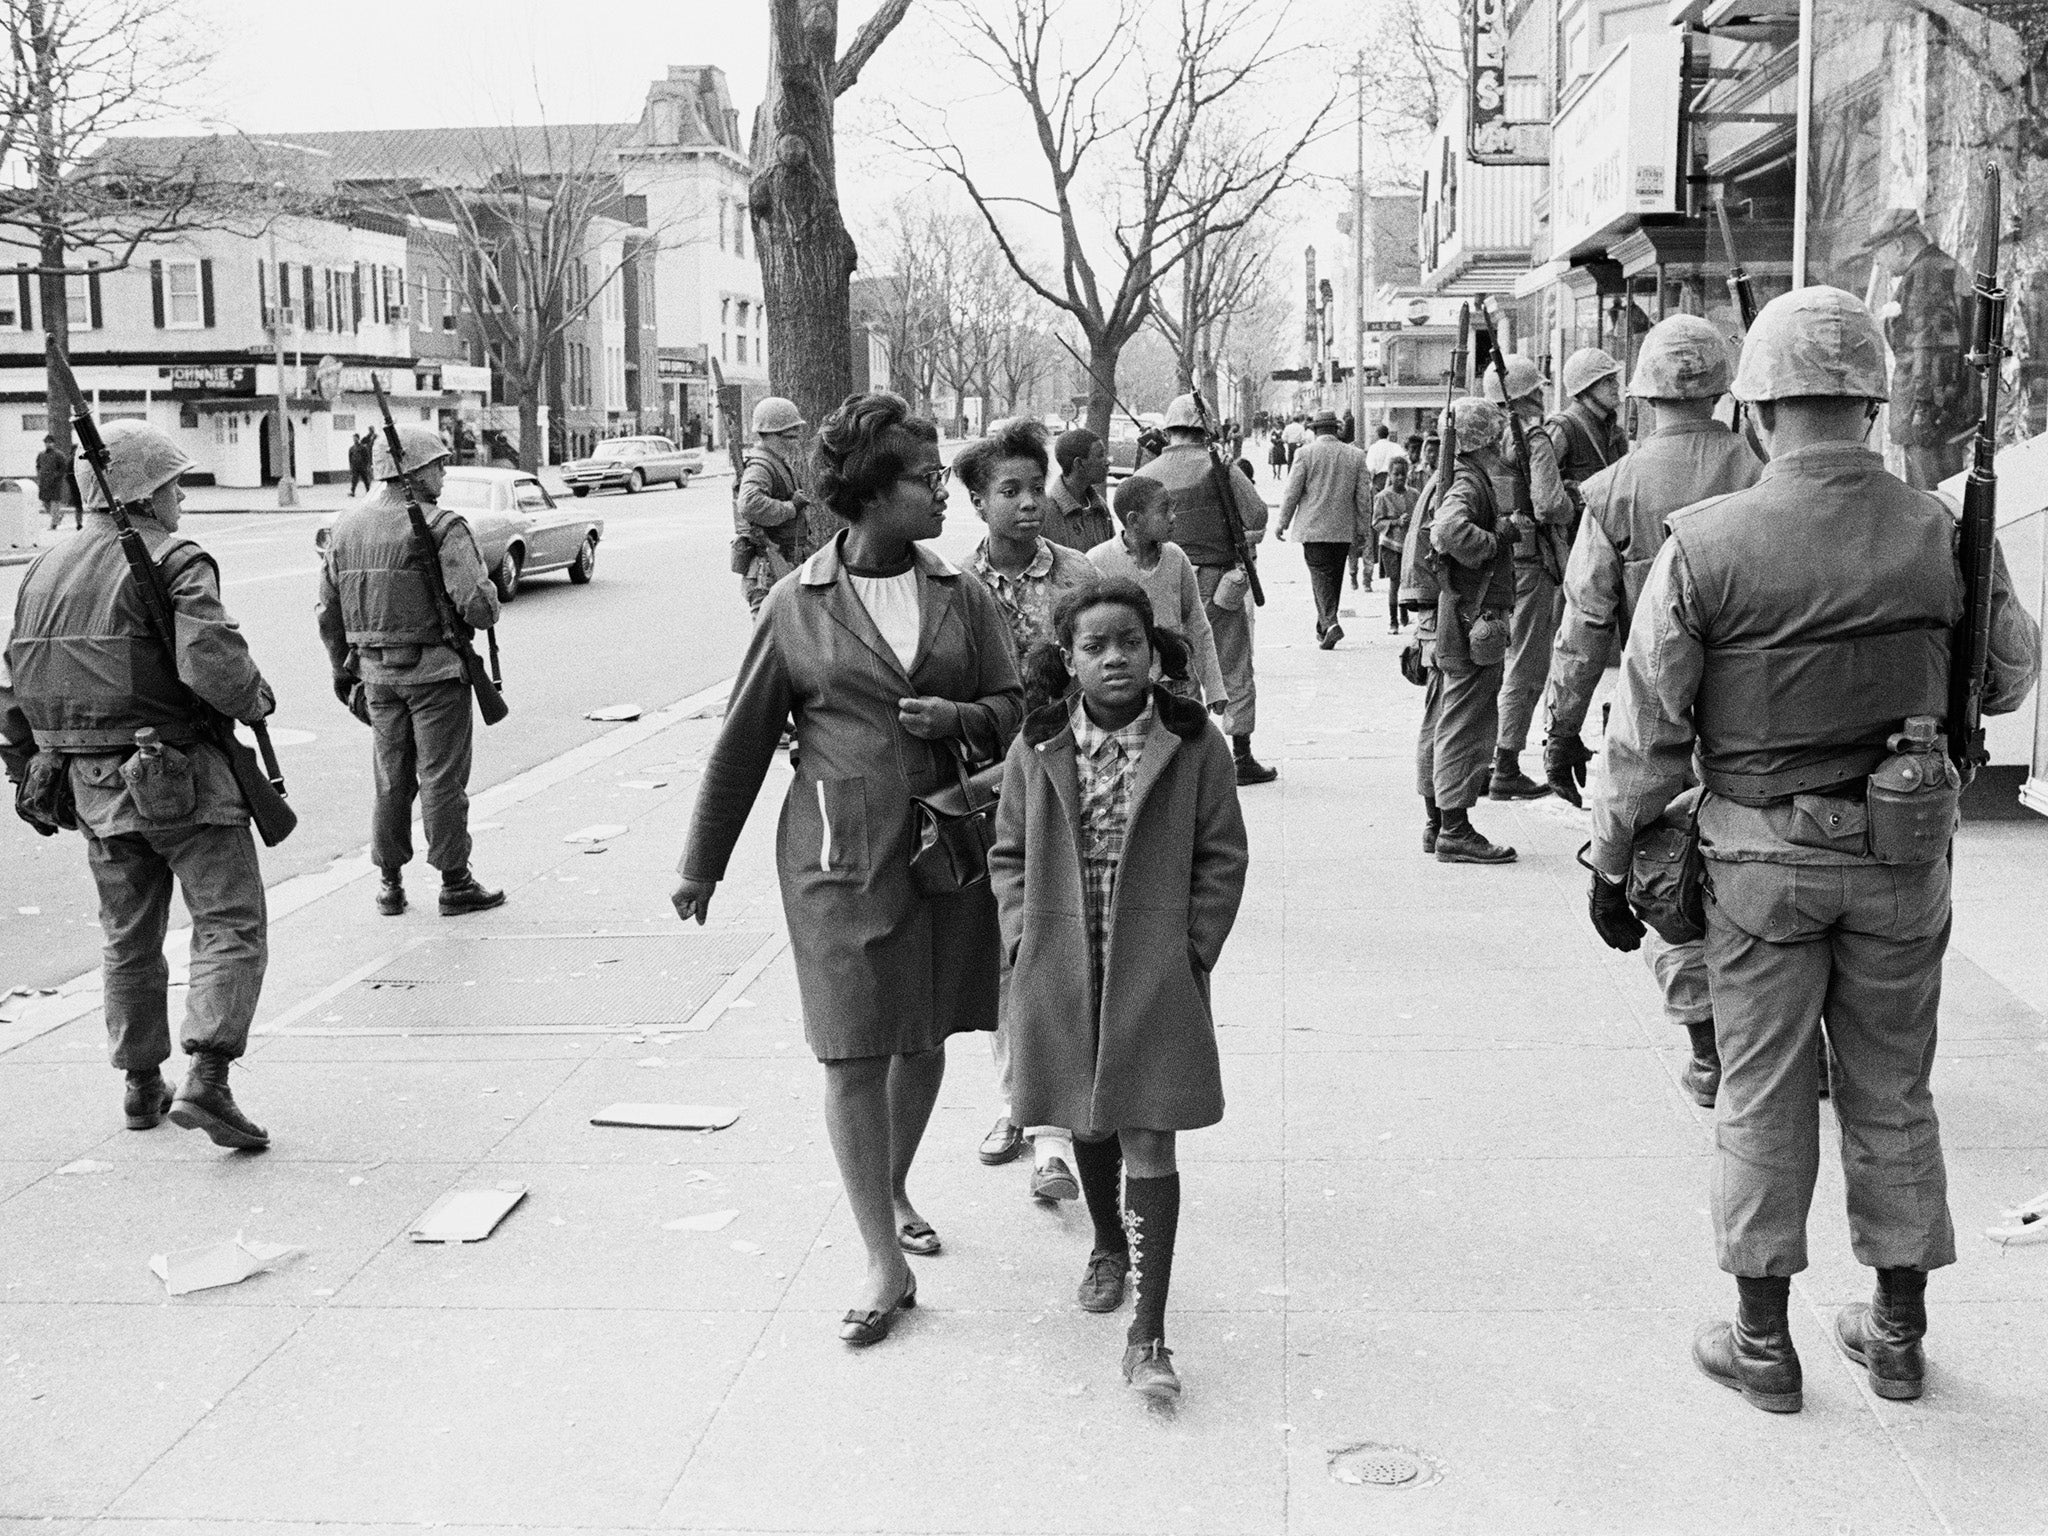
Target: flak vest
[385,602]
[89,669]
[1826,603]
[1630,505]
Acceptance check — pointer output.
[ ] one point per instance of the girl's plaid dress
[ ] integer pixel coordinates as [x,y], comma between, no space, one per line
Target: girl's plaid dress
[1107,764]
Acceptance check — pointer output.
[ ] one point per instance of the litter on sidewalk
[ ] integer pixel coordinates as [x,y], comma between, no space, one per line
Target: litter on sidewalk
[2023,1224]
[86,1165]
[466,1215]
[668,1117]
[216,1264]
[710,1221]
[615,712]
[596,832]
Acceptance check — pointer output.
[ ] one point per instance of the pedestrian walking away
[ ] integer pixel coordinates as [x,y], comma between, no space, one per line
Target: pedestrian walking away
[895,666]
[1380,455]
[1119,863]
[1541,533]
[54,487]
[1792,639]
[1276,454]
[1391,509]
[768,504]
[1146,554]
[1075,515]
[1681,373]
[1026,574]
[1331,492]
[1464,581]
[359,462]
[96,723]
[396,669]
[1199,528]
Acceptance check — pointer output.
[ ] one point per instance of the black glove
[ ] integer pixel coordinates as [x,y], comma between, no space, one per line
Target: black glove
[1564,767]
[1613,919]
[343,686]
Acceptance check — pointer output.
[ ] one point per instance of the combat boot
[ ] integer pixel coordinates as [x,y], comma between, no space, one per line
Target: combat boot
[1249,769]
[1459,842]
[147,1098]
[205,1104]
[1703,1073]
[391,893]
[1510,783]
[1884,1336]
[1754,1354]
[460,893]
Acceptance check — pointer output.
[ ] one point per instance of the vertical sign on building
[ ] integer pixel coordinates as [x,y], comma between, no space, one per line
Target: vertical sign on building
[1311,321]
[1491,136]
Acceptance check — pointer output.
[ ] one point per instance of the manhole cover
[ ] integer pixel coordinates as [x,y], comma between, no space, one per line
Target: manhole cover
[1373,1465]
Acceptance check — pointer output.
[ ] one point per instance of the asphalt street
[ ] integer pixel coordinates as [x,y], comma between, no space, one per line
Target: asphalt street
[663,619]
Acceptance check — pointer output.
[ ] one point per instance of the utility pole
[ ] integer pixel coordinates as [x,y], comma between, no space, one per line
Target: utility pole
[287,492]
[1360,246]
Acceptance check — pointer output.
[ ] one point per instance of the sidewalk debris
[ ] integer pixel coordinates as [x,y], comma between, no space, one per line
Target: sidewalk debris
[466,1215]
[668,1117]
[710,1221]
[596,832]
[86,1165]
[2024,1224]
[643,783]
[615,712]
[216,1264]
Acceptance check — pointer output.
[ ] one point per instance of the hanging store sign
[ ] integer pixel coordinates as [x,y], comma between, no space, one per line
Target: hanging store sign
[209,378]
[1492,137]
[465,378]
[682,363]
[1614,149]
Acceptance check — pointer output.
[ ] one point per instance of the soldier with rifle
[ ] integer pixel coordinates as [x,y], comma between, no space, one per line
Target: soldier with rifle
[121,682]
[1796,640]
[402,588]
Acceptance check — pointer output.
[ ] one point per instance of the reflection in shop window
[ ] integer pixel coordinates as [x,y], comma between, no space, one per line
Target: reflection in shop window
[1911,98]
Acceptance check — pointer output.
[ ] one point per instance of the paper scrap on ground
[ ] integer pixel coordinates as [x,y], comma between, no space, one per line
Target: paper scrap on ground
[216,1264]
[668,1117]
[643,783]
[615,712]
[85,1165]
[596,832]
[466,1215]
[2023,1224]
[710,1221]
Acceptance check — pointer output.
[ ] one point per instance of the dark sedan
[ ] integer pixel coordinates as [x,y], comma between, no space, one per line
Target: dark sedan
[632,464]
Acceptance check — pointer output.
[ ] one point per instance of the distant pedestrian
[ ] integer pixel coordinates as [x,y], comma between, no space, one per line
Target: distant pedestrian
[1075,515]
[54,487]
[1276,454]
[359,462]
[1146,554]
[1119,864]
[1391,510]
[1348,432]
[894,668]
[1379,455]
[1294,435]
[1329,489]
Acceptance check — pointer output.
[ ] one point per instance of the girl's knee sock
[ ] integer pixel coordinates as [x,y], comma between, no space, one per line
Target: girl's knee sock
[1100,1166]
[1152,1216]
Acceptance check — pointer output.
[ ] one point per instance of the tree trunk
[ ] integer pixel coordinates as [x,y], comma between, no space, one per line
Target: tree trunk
[56,318]
[1102,359]
[529,429]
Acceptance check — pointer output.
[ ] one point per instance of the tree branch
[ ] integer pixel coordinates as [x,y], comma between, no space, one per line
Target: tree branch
[870,37]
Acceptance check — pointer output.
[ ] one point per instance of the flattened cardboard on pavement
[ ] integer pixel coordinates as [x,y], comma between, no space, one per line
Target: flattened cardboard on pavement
[668,1117]
[466,1215]
[216,1264]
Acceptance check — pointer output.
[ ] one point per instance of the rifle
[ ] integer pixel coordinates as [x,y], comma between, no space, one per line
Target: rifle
[1970,644]
[1525,500]
[1415,541]
[261,784]
[455,633]
[1743,292]
[1219,482]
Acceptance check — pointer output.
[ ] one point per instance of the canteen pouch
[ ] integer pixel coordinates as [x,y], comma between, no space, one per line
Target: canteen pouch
[742,554]
[1414,666]
[956,827]
[1667,873]
[43,798]
[162,786]
[1911,801]
[1486,639]
[1231,590]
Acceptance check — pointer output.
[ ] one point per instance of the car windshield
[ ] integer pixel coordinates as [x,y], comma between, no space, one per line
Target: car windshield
[618,450]
[463,494]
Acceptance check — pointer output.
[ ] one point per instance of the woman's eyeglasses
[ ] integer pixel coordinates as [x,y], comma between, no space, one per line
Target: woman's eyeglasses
[932,480]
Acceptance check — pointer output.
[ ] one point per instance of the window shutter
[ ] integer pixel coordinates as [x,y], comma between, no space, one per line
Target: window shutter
[206,291]
[306,287]
[92,296]
[355,296]
[284,294]
[156,293]
[262,294]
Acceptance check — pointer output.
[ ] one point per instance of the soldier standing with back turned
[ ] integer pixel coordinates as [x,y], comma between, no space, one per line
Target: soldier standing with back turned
[382,632]
[89,685]
[1795,636]
[768,504]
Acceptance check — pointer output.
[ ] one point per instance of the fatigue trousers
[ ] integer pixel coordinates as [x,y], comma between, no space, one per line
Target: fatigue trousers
[1539,609]
[1233,630]
[423,736]
[1454,752]
[1681,972]
[1325,579]
[216,869]
[1860,945]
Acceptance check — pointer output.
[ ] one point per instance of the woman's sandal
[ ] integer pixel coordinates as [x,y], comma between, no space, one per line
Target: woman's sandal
[864,1328]
[918,1237]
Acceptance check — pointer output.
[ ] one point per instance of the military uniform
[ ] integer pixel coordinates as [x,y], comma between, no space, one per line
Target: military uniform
[379,623]
[768,514]
[85,671]
[1785,632]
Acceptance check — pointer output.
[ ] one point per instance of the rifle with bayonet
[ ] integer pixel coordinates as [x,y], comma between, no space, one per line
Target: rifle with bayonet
[261,785]
[1742,293]
[1219,482]
[1970,644]
[1547,550]
[456,633]
[1415,540]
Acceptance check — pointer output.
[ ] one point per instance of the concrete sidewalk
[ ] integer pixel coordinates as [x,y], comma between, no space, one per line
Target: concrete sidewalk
[1457,1208]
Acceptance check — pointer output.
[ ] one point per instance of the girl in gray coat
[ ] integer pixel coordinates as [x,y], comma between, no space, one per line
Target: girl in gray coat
[1118,866]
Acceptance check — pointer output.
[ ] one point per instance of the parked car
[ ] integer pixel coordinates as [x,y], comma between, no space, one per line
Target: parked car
[520,529]
[631,464]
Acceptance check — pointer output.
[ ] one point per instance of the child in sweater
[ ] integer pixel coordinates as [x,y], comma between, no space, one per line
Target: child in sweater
[1144,553]
[1118,866]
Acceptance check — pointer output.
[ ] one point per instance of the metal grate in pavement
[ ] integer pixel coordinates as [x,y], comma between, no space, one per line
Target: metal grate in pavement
[1378,1465]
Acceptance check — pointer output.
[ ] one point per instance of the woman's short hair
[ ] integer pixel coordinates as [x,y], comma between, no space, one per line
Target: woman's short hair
[1072,446]
[863,447]
[1017,438]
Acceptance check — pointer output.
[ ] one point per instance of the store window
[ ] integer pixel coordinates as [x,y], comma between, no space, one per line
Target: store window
[1911,99]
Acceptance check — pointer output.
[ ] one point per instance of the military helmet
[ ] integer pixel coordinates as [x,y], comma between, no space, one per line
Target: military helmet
[141,459]
[1585,368]
[1813,341]
[1184,411]
[1524,379]
[1682,358]
[421,445]
[775,414]
[1478,423]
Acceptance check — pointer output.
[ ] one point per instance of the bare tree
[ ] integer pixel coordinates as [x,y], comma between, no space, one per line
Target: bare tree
[1221,277]
[907,299]
[807,257]
[1114,121]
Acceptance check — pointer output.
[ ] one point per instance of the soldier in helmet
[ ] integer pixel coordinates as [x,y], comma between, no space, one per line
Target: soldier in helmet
[1681,373]
[768,505]
[383,633]
[1790,637]
[87,691]
[1586,435]
[1538,604]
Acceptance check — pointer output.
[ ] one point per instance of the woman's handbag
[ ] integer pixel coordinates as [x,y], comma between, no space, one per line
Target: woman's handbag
[1667,874]
[956,827]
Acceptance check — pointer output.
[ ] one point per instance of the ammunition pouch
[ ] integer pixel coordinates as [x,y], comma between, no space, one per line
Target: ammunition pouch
[43,798]
[1667,873]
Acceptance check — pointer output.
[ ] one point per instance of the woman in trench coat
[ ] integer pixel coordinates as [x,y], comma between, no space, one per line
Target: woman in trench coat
[887,658]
